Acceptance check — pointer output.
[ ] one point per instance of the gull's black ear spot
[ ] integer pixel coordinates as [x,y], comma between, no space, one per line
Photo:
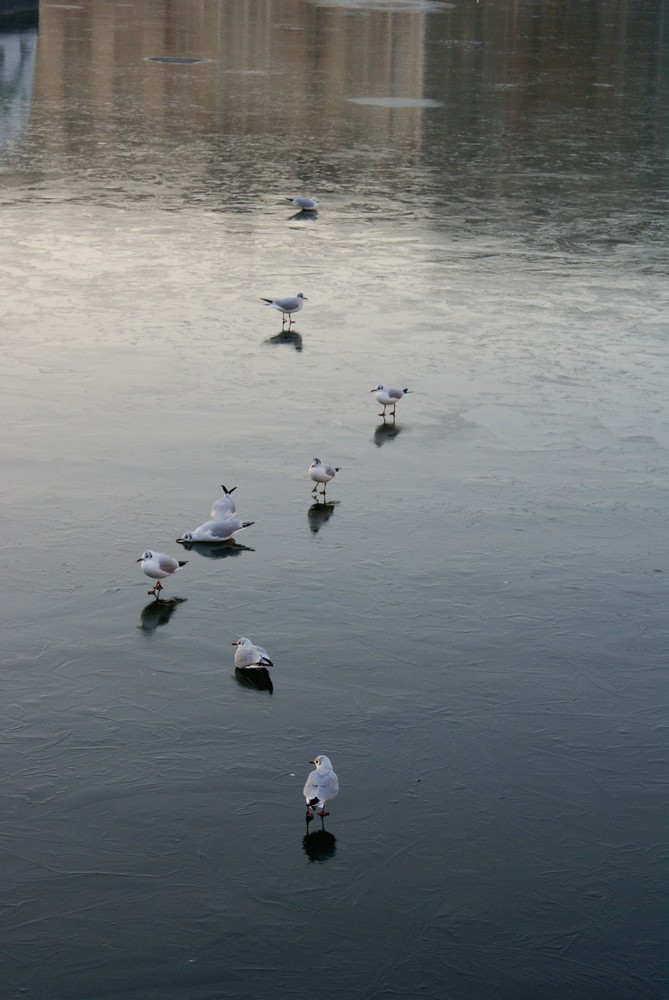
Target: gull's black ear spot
[313,802]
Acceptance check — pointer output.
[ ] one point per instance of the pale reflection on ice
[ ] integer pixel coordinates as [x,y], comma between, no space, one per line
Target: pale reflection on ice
[292,338]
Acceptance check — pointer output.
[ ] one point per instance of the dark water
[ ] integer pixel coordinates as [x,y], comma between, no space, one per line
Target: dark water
[473,627]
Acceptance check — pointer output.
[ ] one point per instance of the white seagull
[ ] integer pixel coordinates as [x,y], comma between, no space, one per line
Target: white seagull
[249,656]
[157,565]
[388,397]
[305,204]
[321,472]
[215,530]
[287,306]
[321,786]
[224,508]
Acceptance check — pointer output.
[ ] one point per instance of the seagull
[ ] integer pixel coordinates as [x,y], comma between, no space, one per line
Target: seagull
[287,306]
[321,472]
[215,530]
[321,786]
[157,565]
[224,508]
[388,397]
[305,204]
[248,655]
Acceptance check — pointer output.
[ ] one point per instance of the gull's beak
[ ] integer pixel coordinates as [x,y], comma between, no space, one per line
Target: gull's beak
[138,560]
[312,761]
[234,643]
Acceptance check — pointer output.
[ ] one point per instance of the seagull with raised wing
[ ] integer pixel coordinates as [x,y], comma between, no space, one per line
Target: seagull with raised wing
[157,566]
[287,306]
[321,787]
[224,507]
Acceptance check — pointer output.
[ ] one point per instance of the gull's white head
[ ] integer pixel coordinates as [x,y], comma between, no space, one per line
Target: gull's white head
[147,555]
[379,388]
[242,641]
[322,761]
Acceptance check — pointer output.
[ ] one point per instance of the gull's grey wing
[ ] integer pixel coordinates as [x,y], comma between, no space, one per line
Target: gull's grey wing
[264,659]
[292,302]
[252,656]
[166,563]
[311,786]
[328,786]
[222,530]
[322,787]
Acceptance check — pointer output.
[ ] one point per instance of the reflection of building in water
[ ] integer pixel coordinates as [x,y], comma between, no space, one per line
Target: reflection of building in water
[280,75]
[17,69]
[547,81]
[277,70]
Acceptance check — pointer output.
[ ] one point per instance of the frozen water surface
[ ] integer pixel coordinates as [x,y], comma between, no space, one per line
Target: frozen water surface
[472,626]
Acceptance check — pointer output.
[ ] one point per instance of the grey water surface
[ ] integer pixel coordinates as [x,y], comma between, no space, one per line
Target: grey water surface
[472,624]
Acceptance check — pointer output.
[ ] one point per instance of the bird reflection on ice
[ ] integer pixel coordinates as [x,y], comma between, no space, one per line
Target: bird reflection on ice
[255,677]
[217,550]
[386,431]
[319,513]
[305,215]
[319,845]
[290,337]
[158,613]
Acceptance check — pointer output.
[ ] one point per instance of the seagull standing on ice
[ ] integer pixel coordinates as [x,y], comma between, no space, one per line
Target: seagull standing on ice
[321,472]
[157,565]
[249,656]
[287,306]
[388,397]
[321,786]
[224,508]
